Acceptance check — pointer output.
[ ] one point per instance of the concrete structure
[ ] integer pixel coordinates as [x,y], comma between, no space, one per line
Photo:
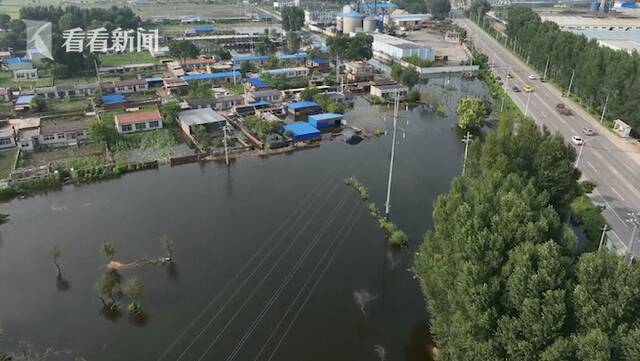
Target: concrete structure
[131,86]
[25,74]
[369,24]
[409,21]
[175,86]
[7,138]
[138,121]
[592,22]
[288,73]
[205,117]
[64,134]
[390,48]
[271,96]
[623,129]
[388,91]
[358,71]
[352,22]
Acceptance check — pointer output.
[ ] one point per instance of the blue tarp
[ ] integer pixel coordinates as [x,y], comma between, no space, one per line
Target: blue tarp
[296,56]
[153,80]
[302,131]
[208,76]
[320,60]
[238,58]
[302,105]
[258,83]
[115,98]
[18,60]
[324,120]
[24,99]
[201,29]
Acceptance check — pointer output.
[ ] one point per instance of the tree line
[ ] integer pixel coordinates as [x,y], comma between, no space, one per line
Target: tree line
[438,8]
[501,274]
[600,72]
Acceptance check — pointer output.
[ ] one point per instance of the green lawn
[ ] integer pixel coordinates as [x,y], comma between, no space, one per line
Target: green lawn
[107,60]
[76,80]
[6,79]
[69,105]
[7,157]
[235,88]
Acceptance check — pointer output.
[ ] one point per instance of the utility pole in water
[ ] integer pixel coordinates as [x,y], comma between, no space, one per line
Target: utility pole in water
[226,148]
[466,140]
[396,106]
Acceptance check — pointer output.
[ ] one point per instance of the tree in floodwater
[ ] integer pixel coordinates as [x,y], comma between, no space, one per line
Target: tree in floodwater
[108,250]
[108,288]
[362,298]
[380,351]
[55,253]
[132,289]
[168,246]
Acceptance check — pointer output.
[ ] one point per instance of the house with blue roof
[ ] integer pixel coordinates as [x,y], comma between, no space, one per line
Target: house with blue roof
[325,120]
[301,131]
[113,99]
[301,110]
[18,63]
[226,77]
[319,62]
[256,84]
[23,102]
[199,30]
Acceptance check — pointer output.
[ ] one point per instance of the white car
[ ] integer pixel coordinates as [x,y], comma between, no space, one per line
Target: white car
[577,140]
[532,77]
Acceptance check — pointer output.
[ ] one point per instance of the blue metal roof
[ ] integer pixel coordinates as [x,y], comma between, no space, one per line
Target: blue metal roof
[18,60]
[302,105]
[24,99]
[278,71]
[249,57]
[258,83]
[114,98]
[207,76]
[381,6]
[326,116]
[296,56]
[319,60]
[353,14]
[301,129]
[201,28]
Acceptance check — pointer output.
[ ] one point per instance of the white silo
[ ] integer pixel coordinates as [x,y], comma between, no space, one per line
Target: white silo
[352,22]
[369,24]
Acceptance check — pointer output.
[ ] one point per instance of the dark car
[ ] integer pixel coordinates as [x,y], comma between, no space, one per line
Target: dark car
[515,89]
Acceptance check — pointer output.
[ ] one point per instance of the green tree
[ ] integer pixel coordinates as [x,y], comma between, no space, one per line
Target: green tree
[108,250]
[472,113]
[55,253]
[439,8]
[169,113]
[168,246]
[309,93]
[132,288]
[183,49]
[292,18]
[108,288]
[413,96]
[103,132]
[478,8]
[38,104]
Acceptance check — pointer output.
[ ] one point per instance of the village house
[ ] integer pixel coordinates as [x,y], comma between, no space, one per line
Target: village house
[226,102]
[128,68]
[131,85]
[358,71]
[206,117]
[175,86]
[25,74]
[272,96]
[197,64]
[253,84]
[215,78]
[64,134]
[319,62]
[288,73]
[138,121]
[7,138]
[388,91]
[27,131]
[18,63]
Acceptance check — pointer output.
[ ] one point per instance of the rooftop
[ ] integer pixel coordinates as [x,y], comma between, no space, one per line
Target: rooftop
[258,83]
[206,76]
[302,105]
[24,99]
[326,116]
[589,20]
[301,128]
[64,127]
[128,118]
[200,116]
[397,42]
[115,98]
[18,60]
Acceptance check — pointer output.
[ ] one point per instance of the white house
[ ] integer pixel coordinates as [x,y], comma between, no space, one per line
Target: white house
[131,85]
[389,91]
[138,121]
[25,74]
[63,134]
[297,72]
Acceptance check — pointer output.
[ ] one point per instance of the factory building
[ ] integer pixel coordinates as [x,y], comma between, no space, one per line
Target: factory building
[389,48]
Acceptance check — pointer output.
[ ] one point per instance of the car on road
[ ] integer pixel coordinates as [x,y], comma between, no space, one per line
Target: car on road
[532,77]
[563,109]
[509,76]
[527,88]
[577,140]
[588,131]
[515,89]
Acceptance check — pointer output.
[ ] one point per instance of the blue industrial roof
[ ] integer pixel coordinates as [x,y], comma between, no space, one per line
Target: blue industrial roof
[258,83]
[24,99]
[115,98]
[326,116]
[249,57]
[382,6]
[302,105]
[301,129]
[352,14]
[201,28]
[18,60]
[296,56]
[211,75]
[320,60]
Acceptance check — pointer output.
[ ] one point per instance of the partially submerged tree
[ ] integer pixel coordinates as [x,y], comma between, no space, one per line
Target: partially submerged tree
[55,253]
[132,289]
[108,250]
[472,112]
[108,288]
[168,246]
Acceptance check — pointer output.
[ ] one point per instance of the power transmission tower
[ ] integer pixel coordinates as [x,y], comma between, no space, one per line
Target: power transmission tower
[396,106]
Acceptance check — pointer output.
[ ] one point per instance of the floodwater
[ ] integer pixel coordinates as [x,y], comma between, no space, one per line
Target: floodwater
[276,259]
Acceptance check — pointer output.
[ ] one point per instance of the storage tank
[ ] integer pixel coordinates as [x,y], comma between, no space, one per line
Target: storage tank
[352,22]
[369,24]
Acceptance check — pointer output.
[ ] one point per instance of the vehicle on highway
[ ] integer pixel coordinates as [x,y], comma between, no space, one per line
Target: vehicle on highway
[588,131]
[532,77]
[577,140]
[509,76]
[563,109]
[515,89]
[527,88]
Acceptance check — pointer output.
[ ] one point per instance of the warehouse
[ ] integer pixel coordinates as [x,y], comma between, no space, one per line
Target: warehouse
[301,110]
[410,21]
[390,48]
[325,120]
[301,131]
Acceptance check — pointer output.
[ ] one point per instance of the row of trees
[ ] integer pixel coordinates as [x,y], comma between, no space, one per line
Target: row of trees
[501,274]
[359,47]
[600,72]
[438,8]
[292,18]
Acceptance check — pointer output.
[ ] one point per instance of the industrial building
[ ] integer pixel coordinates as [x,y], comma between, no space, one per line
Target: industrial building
[409,21]
[301,110]
[592,22]
[350,22]
[389,48]
[325,120]
[301,131]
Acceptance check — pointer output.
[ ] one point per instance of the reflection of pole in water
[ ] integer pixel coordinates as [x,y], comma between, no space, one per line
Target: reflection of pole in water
[362,298]
[380,351]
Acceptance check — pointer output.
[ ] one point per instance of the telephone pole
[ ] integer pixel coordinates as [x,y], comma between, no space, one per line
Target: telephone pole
[573,73]
[546,67]
[466,140]
[604,232]
[396,106]
[226,148]
[604,110]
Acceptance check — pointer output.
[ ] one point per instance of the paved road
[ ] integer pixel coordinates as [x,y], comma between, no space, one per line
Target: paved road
[611,162]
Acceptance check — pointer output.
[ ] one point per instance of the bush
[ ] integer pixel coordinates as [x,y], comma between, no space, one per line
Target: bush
[398,238]
[27,187]
[586,215]
[587,186]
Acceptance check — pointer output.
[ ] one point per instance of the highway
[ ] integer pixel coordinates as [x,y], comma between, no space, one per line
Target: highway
[613,163]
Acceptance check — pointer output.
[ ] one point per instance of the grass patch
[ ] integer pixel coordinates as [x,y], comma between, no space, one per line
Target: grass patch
[107,60]
[7,157]
[6,79]
[235,88]
[70,105]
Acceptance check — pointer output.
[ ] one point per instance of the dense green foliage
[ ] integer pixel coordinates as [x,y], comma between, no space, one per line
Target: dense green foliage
[501,274]
[478,8]
[329,105]
[472,112]
[38,104]
[407,75]
[599,71]
[308,93]
[438,8]
[417,61]
[347,48]
[261,127]
[199,89]
[292,18]
[183,49]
